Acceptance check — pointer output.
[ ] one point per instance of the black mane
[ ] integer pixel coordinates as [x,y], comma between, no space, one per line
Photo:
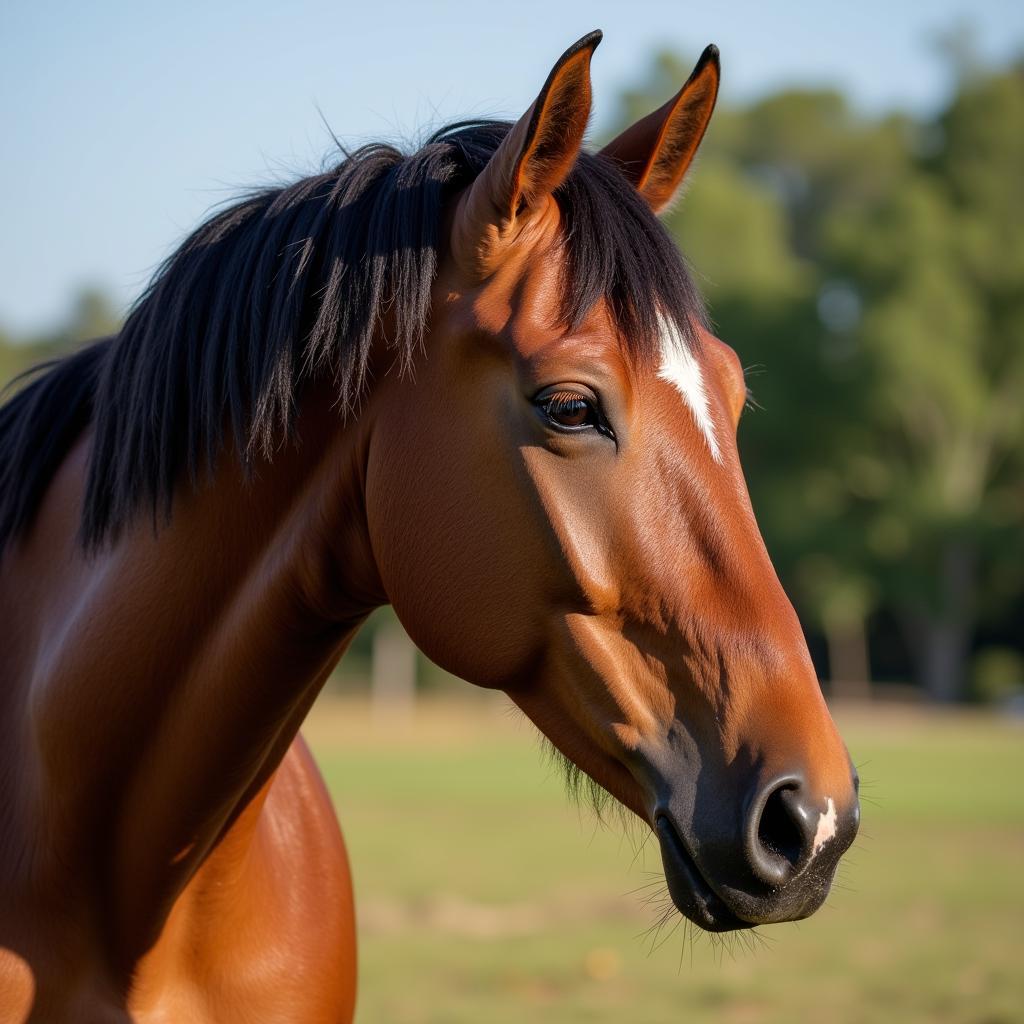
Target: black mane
[289,284]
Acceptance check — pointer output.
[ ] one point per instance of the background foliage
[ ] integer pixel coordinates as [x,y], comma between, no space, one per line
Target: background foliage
[871,275]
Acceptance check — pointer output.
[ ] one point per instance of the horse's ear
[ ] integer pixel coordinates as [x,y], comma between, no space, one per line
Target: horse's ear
[656,151]
[531,162]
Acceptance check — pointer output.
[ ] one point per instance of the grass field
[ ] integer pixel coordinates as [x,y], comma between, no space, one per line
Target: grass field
[485,897]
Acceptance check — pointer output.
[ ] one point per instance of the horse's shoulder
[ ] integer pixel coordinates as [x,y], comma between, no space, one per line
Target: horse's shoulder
[267,919]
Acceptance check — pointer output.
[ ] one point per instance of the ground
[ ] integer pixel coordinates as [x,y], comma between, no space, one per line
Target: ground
[484,895]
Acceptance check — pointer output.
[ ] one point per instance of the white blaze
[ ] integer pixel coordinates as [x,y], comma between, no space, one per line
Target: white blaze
[826,826]
[679,367]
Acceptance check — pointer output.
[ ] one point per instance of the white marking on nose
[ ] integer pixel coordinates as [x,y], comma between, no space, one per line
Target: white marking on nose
[826,826]
[679,367]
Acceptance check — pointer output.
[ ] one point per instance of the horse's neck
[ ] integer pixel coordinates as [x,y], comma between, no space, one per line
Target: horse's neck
[170,672]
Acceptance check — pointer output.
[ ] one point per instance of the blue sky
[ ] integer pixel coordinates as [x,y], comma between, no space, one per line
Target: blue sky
[124,122]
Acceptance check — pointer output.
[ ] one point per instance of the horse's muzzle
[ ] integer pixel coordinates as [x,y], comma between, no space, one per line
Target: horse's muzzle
[775,865]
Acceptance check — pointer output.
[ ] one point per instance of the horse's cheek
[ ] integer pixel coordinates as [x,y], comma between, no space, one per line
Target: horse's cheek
[453,548]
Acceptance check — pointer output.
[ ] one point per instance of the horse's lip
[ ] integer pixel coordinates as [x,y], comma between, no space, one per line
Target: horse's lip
[690,891]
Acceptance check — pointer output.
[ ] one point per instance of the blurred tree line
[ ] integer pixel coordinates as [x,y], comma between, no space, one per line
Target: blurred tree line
[91,315]
[870,272]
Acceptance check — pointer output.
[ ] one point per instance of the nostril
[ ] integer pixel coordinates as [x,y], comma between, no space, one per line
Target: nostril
[778,833]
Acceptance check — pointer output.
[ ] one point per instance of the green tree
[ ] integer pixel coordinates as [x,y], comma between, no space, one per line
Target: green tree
[940,265]
[876,268]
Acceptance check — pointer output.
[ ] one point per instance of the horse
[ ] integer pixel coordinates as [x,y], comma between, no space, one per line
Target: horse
[475,382]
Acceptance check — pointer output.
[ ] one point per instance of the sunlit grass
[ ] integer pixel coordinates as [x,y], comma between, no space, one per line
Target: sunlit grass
[484,896]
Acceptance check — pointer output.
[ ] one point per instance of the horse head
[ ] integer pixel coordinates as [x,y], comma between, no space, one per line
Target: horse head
[557,509]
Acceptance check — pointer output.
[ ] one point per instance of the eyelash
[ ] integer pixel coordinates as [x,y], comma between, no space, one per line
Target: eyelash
[548,404]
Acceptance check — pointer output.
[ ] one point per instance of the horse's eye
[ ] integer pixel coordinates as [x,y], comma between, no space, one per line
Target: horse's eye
[567,409]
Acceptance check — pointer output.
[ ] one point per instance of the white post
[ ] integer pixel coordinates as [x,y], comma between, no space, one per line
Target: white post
[393,674]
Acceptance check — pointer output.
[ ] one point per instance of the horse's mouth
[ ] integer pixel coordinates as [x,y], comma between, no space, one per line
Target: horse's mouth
[691,894]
